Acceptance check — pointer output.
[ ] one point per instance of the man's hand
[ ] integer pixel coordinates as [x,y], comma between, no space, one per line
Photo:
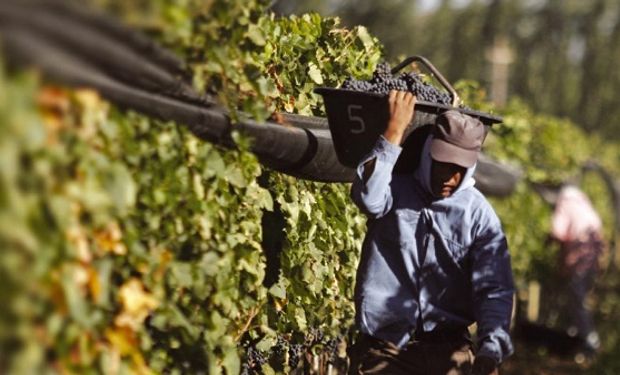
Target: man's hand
[484,366]
[401,111]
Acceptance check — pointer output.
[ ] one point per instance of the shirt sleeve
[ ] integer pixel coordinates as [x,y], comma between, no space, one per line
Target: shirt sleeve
[373,196]
[493,291]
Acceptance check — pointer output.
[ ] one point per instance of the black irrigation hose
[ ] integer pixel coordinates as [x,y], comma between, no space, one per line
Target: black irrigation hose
[74,31]
[284,148]
[496,179]
[80,48]
[112,28]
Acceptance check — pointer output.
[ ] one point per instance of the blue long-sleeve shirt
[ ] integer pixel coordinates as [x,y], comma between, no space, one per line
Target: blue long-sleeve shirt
[430,262]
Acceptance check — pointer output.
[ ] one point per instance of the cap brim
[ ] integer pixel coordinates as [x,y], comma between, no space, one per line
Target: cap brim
[449,153]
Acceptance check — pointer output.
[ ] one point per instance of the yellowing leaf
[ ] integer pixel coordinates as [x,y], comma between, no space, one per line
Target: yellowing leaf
[77,237]
[90,99]
[110,239]
[94,283]
[122,340]
[126,344]
[137,305]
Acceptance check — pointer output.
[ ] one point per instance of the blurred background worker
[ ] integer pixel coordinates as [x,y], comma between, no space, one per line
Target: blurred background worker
[577,227]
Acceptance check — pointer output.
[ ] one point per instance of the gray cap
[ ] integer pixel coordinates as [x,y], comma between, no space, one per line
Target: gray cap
[457,139]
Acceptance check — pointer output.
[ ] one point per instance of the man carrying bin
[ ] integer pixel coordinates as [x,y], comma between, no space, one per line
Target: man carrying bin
[435,258]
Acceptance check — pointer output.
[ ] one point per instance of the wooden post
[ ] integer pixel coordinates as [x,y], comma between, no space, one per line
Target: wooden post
[533,301]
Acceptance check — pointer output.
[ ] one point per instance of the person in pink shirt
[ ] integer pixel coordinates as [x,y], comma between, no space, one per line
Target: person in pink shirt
[576,225]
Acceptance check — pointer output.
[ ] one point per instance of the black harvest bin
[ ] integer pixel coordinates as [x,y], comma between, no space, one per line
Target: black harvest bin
[356,119]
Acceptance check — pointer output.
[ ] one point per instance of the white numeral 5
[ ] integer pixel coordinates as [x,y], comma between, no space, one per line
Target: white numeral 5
[357,119]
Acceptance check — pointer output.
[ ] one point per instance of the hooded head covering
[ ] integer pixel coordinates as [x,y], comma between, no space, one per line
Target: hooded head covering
[423,173]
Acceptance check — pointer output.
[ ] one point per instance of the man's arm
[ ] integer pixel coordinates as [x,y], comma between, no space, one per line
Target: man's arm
[493,290]
[370,190]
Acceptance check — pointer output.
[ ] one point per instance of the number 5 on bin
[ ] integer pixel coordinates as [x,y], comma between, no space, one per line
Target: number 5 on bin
[356,119]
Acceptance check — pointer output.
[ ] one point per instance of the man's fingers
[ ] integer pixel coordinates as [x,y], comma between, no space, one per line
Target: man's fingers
[405,97]
[409,98]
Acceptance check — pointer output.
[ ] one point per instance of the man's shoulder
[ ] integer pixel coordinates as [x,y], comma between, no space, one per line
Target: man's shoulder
[481,198]
[475,197]
[487,218]
[479,206]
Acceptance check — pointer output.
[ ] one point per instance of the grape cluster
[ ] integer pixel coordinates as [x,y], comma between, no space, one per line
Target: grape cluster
[254,359]
[331,348]
[382,82]
[295,354]
[281,347]
[287,351]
